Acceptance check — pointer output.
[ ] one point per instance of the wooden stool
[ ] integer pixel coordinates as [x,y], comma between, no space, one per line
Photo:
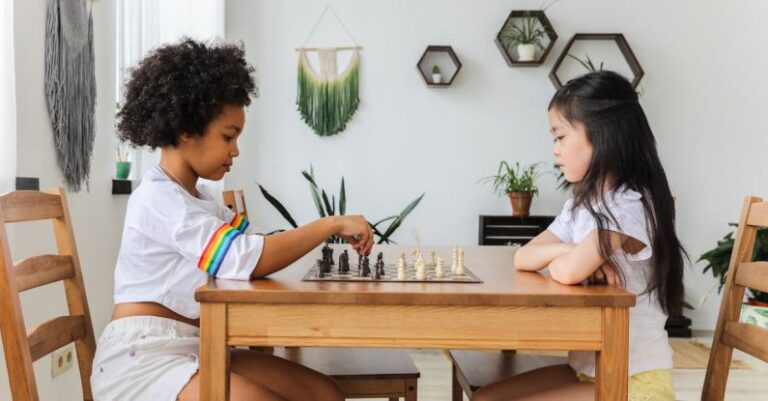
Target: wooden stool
[475,369]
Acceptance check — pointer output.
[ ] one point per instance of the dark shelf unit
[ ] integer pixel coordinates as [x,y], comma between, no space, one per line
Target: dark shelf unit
[511,230]
[122,187]
[621,42]
[424,69]
[548,28]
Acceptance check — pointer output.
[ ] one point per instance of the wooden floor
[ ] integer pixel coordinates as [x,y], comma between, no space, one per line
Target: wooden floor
[743,385]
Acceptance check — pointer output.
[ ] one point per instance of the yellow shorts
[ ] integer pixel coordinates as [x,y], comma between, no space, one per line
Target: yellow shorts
[651,385]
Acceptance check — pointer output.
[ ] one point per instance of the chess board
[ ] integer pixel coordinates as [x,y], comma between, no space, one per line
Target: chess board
[390,275]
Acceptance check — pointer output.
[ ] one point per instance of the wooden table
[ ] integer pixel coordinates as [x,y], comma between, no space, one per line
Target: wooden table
[509,310]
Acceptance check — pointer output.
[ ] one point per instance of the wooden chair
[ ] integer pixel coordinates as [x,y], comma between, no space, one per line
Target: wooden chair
[23,348]
[360,372]
[475,369]
[742,273]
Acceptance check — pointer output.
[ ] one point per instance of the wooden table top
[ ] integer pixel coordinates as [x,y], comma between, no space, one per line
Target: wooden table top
[502,285]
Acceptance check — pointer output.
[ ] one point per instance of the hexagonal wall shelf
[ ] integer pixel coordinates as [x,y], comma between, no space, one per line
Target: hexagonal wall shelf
[621,42]
[442,58]
[510,53]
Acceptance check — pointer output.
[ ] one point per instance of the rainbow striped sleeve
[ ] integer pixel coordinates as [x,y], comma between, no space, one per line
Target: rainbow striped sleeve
[213,255]
[239,222]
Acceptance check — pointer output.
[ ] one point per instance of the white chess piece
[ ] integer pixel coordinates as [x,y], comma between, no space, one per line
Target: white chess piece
[440,268]
[460,261]
[455,259]
[401,273]
[432,262]
[401,261]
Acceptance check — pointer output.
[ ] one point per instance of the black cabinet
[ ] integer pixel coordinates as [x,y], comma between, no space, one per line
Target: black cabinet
[509,230]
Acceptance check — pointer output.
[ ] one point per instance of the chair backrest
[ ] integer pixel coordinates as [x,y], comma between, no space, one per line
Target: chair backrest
[235,200]
[23,348]
[742,273]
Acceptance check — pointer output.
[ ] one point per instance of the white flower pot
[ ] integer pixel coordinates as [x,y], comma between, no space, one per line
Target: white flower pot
[437,78]
[526,52]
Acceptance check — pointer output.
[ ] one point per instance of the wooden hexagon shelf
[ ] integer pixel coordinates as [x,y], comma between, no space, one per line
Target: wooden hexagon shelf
[442,58]
[621,42]
[511,55]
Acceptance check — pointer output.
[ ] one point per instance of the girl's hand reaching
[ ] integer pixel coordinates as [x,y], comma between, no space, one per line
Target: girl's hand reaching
[356,231]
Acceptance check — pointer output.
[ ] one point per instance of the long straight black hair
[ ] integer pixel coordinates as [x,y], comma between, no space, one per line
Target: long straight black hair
[624,156]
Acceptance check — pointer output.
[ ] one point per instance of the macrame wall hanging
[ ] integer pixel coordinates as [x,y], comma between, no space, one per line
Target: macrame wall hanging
[70,87]
[327,100]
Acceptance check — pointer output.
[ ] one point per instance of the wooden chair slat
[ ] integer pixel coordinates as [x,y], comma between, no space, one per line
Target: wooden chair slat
[54,334]
[21,206]
[40,270]
[758,215]
[753,275]
[748,338]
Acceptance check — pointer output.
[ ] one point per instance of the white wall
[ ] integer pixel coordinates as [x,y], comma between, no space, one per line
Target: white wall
[97,215]
[705,73]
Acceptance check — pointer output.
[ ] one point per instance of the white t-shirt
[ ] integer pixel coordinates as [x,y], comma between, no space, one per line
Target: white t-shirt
[648,342]
[172,242]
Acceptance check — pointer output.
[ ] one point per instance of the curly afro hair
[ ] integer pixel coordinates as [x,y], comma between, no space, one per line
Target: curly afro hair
[181,88]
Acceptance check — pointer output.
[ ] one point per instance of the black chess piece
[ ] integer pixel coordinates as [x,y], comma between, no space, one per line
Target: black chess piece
[344,262]
[366,269]
[380,257]
[380,267]
[319,272]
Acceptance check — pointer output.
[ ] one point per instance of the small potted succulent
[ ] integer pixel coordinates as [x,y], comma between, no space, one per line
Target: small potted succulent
[524,36]
[755,309]
[436,76]
[518,183]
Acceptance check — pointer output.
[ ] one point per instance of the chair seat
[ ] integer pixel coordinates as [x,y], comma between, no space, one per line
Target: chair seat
[475,369]
[361,372]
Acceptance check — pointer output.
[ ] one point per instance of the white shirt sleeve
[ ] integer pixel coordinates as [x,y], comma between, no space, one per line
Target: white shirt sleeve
[630,221]
[562,227]
[218,247]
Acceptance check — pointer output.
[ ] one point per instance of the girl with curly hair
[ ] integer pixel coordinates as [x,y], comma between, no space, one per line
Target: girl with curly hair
[188,99]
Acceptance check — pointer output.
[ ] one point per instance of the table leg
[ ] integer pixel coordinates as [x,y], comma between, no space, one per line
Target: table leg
[613,360]
[214,352]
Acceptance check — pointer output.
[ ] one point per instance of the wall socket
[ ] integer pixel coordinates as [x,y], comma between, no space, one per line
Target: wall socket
[62,360]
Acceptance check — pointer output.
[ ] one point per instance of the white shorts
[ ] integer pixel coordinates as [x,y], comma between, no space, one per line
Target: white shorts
[144,358]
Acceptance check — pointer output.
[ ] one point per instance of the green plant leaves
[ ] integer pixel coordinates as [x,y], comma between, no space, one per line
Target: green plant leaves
[718,259]
[277,205]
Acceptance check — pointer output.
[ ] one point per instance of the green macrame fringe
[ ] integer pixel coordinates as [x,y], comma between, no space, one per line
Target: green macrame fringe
[328,106]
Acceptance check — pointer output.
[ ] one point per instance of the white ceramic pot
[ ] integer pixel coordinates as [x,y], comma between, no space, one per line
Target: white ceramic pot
[526,52]
[437,78]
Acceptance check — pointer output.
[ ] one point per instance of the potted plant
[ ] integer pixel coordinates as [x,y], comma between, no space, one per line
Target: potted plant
[587,63]
[755,310]
[122,164]
[329,207]
[518,183]
[524,36]
[436,76]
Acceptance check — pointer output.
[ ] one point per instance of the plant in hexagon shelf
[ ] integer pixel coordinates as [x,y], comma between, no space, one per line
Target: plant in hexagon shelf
[523,35]
[589,65]
[438,65]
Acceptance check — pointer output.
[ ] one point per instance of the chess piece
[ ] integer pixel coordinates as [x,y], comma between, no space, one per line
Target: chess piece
[460,262]
[455,259]
[440,268]
[344,262]
[432,262]
[376,274]
[401,273]
[380,257]
[380,267]
[366,270]
[402,260]
[319,272]
[421,270]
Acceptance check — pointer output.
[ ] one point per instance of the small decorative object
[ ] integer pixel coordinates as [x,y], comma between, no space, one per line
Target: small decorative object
[617,38]
[428,65]
[70,87]
[122,165]
[436,77]
[755,309]
[328,100]
[526,38]
[328,207]
[518,183]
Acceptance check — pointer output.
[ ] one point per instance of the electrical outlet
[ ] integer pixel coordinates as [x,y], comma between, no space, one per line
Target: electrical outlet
[62,360]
